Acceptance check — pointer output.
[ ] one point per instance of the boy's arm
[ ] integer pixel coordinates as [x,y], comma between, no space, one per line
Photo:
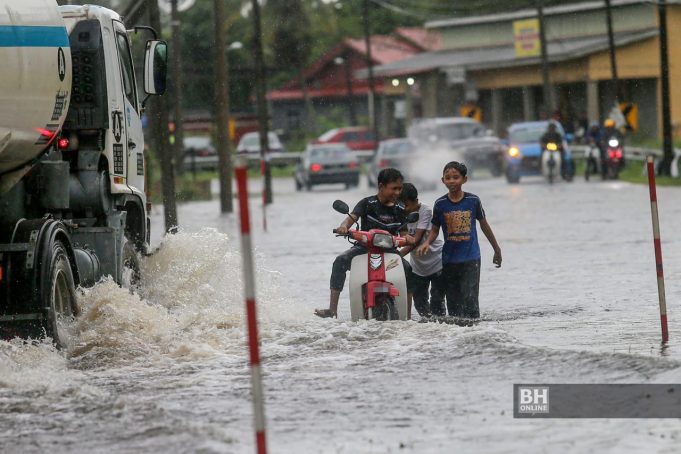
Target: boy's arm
[417,239]
[346,224]
[435,229]
[487,230]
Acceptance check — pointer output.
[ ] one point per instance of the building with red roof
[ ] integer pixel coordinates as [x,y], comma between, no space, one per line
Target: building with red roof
[333,87]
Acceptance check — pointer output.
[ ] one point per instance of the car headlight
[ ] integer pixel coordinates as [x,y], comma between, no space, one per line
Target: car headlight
[613,143]
[513,152]
[383,241]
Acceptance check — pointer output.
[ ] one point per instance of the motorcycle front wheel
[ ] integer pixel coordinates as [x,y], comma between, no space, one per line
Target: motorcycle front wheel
[385,308]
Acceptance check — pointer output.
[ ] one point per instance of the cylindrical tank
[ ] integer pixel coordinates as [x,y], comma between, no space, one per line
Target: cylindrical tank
[36,79]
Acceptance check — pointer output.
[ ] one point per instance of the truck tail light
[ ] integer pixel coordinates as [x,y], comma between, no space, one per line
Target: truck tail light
[63,143]
[315,167]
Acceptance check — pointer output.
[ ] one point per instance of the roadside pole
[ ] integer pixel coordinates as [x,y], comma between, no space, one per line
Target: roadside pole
[658,250]
[241,171]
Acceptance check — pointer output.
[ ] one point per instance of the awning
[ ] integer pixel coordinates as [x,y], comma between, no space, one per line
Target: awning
[502,56]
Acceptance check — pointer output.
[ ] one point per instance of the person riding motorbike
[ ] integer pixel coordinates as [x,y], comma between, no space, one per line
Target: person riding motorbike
[381,211]
[553,136]
[593,139]
[611,132]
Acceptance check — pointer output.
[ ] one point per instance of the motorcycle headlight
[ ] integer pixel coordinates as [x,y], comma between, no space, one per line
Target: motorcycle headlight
[513,152]
[551,146]
[383,241]
[613,143]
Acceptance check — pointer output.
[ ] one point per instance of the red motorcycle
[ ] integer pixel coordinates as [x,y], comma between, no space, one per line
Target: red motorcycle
[378,286]
[614,158]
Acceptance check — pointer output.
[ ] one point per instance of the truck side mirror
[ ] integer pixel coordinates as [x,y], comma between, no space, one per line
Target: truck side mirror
[155,67]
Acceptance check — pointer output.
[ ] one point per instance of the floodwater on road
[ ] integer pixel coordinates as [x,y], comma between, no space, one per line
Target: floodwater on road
[166,369]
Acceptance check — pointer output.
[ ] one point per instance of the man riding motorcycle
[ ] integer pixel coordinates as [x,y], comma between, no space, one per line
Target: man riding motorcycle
[553,136]
[611,132]
[382,211]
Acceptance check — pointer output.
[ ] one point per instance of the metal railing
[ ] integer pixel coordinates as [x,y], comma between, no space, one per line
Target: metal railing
[636,154]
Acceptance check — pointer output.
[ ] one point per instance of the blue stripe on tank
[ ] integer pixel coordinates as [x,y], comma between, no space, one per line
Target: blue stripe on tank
[33,36]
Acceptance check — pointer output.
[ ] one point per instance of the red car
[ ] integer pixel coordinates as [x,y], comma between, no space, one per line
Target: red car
[355,138]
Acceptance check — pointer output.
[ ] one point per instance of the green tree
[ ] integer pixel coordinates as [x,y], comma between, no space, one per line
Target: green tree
[291,44]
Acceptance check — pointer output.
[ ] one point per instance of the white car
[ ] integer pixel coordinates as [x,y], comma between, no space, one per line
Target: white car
[250,144]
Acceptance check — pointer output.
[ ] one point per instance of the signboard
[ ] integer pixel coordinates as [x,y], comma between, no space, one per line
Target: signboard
[526,38]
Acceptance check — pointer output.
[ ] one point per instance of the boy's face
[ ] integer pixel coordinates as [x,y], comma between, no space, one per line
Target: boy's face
[453,180]
[390,191]
[410,205]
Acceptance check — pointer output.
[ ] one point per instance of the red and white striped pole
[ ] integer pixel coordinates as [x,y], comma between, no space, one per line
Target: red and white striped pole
[658,250]
[241,171]
[264,194]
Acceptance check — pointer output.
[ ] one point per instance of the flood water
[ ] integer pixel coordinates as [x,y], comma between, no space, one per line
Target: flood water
[166,369]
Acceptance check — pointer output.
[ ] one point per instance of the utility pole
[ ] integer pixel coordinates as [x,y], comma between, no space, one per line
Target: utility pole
[222,109]
[178,134]
[613,58]
[548,96]
[158,116]
[262,104]
[666,164]
[350,97]
[370,66]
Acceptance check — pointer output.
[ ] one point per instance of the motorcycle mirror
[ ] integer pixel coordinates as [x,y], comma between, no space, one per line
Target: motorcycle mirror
[412,217]
[341,207]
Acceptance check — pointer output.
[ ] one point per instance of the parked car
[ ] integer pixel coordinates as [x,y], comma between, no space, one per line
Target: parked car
[390,153]
[356,138]
[326,164]
[523,157]
[199,153]
[463,138]
[250,144]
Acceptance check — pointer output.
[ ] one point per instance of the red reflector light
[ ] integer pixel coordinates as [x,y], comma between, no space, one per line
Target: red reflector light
[352,165]
[63,143]
[315,167]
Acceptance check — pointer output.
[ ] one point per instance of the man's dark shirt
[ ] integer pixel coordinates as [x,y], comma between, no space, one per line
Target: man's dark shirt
[554,137]
[374,215]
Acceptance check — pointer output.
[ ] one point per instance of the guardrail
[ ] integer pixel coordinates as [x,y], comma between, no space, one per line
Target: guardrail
[276,158]
[636,154]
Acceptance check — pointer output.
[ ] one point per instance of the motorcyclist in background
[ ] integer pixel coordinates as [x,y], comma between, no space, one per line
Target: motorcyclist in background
[611,132]
[594,138]
[553,136]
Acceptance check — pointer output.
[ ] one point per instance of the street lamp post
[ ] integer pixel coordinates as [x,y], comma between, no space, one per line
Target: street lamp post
[345,62]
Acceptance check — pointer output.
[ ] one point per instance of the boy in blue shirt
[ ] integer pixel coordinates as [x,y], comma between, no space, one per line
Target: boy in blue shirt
[456,213]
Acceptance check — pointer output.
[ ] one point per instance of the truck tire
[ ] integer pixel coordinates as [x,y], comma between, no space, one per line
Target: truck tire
[57,289]
[130,266]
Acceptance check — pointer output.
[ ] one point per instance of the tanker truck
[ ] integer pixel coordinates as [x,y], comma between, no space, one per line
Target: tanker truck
[73,207]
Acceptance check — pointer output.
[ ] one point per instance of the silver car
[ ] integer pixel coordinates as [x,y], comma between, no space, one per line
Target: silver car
[460,139]
[391,153]
[327,164]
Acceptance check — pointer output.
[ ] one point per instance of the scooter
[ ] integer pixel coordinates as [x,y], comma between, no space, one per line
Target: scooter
[551,161]
[614,158]
[593,161]
[378,286]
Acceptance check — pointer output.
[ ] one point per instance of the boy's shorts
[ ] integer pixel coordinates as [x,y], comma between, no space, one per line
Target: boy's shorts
[462,285]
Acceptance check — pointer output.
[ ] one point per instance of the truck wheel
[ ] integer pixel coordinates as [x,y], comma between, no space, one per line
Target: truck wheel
[58,291]
[130,266]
